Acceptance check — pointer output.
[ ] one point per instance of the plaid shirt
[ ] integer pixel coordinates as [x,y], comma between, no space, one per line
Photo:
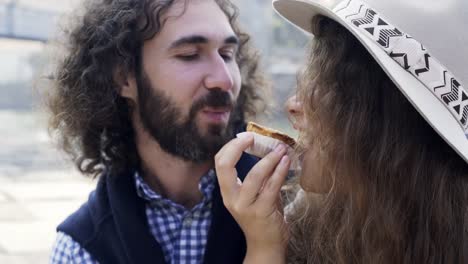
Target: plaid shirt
[182,233]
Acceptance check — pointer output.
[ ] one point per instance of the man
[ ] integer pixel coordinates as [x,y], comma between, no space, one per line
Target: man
[147,93]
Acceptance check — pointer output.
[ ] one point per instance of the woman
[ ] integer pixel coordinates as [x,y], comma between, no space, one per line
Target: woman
[383,128]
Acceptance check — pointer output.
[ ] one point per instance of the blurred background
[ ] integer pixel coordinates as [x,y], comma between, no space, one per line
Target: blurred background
[38,185]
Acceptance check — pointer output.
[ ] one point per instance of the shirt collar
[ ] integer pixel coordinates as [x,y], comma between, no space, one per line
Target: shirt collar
[206,187]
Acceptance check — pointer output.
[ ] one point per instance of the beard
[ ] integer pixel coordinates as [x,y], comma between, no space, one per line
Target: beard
[178,135]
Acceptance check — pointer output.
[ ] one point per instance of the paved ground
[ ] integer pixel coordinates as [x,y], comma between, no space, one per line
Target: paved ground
[30,209]
[38,189]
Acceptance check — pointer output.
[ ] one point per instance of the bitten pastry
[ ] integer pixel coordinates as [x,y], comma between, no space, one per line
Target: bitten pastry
[269,132]
[266,140]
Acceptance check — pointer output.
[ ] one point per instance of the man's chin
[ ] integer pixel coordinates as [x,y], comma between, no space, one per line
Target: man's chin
[210,129]
[214,132]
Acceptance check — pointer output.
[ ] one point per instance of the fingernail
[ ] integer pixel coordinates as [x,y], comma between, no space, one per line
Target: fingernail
[280,148]
[285,159]
[246,135]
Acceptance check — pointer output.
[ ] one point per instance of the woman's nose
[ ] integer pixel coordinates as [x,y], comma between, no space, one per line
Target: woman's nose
[295,113]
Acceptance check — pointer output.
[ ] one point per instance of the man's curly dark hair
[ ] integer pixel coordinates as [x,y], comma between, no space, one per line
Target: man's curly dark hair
[89,118]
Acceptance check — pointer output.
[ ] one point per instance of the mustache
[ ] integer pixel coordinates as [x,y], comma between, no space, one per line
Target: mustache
[216,98]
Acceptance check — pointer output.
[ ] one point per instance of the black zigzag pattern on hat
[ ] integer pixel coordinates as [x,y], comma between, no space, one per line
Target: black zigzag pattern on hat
[367,19]
[453,96]
[404,56]
[427,68]
[464,115]
[384,34]
[445,82]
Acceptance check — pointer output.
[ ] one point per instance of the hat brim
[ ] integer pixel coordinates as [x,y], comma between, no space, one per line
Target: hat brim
[300,14]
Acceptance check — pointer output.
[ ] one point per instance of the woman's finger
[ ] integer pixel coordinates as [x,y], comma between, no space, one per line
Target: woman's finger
[225,165]
[267,199]
[258,175]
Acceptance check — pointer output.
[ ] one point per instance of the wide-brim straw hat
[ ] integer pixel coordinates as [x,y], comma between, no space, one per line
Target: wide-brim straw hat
[422,45]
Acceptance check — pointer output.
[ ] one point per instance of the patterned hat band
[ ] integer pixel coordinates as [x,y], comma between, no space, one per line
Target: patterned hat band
[410,55]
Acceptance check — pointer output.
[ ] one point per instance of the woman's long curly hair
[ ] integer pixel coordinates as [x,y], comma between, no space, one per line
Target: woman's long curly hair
[399,192]
[89,119]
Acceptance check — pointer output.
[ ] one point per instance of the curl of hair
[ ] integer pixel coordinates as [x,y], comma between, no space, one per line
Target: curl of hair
[88,117]
[399,192]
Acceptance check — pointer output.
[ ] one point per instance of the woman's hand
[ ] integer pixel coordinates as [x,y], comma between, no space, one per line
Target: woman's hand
[255,203]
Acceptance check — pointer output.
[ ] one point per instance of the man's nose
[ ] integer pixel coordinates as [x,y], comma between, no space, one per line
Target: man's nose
[219,75]
[295,113]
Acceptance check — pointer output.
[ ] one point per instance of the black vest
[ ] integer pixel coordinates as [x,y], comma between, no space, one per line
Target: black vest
[112,226]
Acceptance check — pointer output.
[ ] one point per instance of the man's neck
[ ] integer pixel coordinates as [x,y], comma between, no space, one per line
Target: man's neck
[170,176]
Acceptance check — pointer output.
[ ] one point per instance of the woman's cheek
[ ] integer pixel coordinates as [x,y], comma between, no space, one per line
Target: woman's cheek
[312,177]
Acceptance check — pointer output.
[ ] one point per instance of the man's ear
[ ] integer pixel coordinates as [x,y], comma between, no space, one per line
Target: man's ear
[126,84]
